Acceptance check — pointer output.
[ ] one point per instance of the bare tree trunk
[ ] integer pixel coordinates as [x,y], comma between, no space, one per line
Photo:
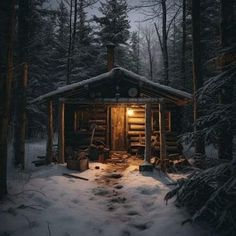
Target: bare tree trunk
[138,51]
[174,46]
[150,56]
[20,94]
[10,7]
[227,39]
[164,44]
[183,58]
[69,46]
[74,25]
[197,75]
[20,119]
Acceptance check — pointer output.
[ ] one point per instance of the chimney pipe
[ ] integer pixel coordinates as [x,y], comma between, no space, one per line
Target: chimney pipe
[110,56]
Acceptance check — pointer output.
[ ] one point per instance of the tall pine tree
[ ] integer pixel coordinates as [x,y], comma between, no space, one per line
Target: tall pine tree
[61,45]
[135,52]
[84,48]
[41,62]
[114,28]
[114,23]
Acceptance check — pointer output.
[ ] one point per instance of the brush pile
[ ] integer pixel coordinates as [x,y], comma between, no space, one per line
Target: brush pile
[210,196]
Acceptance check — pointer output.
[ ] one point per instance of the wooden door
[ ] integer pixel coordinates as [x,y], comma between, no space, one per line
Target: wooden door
[118,128]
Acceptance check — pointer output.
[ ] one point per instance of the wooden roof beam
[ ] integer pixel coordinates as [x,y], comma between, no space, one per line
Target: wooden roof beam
[111,100]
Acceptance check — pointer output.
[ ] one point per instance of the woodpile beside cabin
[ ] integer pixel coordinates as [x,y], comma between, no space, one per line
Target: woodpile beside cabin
[119,110]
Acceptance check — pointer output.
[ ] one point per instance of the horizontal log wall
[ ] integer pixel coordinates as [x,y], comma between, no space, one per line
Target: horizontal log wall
[135,125]
[136,129]
[79,124]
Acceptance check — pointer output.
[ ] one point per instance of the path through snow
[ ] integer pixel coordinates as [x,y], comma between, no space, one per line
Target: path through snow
[51,204]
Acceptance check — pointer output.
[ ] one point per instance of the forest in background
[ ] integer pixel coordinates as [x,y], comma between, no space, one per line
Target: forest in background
[66,45]
[189,45]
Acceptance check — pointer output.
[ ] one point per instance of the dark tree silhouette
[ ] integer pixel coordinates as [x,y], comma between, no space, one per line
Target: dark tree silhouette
[7,9]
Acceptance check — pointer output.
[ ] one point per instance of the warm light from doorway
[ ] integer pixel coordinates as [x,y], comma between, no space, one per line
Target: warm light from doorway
[130,112]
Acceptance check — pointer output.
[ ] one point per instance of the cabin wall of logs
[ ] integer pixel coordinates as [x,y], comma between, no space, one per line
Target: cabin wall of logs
[80,120]
[83,122]
[136,126]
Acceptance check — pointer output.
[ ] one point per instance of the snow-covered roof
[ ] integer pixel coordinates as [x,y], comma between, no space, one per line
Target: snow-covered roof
[60,92]
[157,85]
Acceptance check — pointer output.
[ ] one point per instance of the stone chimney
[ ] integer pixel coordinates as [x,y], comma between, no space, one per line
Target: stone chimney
[110,56]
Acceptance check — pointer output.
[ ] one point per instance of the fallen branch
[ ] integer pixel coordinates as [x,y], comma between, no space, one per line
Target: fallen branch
[74,176]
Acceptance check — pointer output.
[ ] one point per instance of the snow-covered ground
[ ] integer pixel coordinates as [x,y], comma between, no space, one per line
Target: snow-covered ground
[44,202]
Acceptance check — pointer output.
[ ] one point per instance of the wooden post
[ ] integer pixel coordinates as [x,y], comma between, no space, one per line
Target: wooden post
[148,131]
[162,134]
[20,119]
[23,125]
[108,126]
[50,132]
[75,121]
[198,79]
[170,122]
[146,166]
[61,133]
[126,127]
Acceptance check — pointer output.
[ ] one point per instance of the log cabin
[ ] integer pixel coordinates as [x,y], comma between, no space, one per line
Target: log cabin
[119,108]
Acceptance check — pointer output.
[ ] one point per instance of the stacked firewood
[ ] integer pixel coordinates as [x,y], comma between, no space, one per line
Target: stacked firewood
[174,161]
[78,154]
